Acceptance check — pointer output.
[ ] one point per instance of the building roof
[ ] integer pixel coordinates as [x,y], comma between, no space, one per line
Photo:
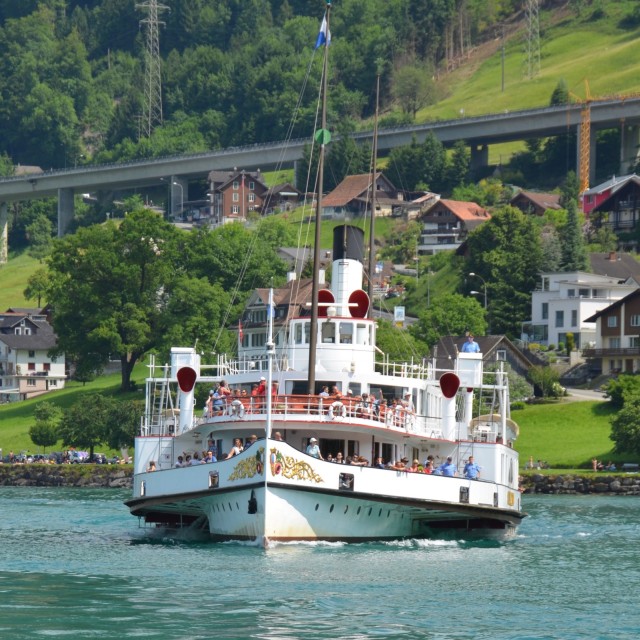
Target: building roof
[617,265]
[299,256]
[42,338]
[349,189]
[612,184]
[613,305]
[446,350]
[542,200]
[222,178]
[470,213]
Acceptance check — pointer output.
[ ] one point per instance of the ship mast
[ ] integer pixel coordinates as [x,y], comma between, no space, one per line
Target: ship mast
[372,223]
[322,137]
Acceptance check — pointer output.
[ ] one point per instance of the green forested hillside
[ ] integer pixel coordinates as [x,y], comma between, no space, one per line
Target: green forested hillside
[72,71]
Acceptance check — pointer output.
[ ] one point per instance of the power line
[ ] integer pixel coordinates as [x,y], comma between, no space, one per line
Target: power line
[152,115]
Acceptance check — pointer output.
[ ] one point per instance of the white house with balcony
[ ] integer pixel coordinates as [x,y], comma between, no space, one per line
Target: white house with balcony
[26,370]
[563,302]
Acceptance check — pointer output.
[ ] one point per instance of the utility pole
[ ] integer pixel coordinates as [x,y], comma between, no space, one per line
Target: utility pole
[153,81]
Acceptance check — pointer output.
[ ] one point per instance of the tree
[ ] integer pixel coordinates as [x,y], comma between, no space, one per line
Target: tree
[574,252]
[44,433]
[545,381]
[39,234]
[37,285]
[85,424]
[399,345]
[413,88]
[625,427]
[621,389]
[505,251]
[109,288]
[123,423]
[450,315]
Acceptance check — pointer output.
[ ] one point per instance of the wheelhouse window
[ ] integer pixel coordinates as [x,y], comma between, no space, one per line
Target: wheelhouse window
[346,332]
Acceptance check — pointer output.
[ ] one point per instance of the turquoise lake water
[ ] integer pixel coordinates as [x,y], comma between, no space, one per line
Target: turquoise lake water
[74,564]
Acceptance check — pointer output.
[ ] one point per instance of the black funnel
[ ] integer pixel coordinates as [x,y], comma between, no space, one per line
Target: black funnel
[348,243]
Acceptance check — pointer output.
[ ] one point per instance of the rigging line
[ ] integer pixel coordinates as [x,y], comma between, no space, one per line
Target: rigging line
[254,239]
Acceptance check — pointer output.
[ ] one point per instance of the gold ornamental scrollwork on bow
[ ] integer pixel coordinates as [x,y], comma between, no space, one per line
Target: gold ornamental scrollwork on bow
[289,467]
[250,467]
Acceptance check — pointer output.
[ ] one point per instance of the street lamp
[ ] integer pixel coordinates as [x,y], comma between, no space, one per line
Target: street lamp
[177,184]
[477,293]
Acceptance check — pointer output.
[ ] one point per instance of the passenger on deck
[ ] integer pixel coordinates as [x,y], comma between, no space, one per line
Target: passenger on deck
[236,449]
[152,466]
[447,468]
[428,468]
[415,466]
[470,346]
[218,404]
[313,449]
[471,470]
[195,460]
[277,436]
[401,465]
[380,463]
[237,408]
[252,440]
[180,462]
[339,459]
[209,457]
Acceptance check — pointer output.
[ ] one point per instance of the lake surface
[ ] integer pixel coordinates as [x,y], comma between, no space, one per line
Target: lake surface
[73,563]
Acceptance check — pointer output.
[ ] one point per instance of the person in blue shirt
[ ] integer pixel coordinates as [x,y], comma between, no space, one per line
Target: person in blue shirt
[313,449]
[470,346]
[447,468]
[471,470]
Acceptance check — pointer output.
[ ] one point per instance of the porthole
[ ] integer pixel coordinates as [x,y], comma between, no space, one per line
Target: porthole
[346,509]
[331,509]
[230,507]
[317,506]
[388,513]
[380,513]
[358,511]
[237,506]
[370,510]
[223,507]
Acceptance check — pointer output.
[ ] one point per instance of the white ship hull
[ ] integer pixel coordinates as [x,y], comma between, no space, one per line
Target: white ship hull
[296,497]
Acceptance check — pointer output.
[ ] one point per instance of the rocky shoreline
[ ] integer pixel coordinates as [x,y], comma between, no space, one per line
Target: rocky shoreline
[623,485]
[121,477]
[66,475]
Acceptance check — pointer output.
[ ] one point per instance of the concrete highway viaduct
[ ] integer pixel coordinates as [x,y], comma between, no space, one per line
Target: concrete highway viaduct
[479,132]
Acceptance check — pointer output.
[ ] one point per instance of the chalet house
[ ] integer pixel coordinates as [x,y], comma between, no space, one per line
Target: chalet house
[533,203]
[617,344]
[234,194]
[615,204]
[447,223]
[26,370]
[297,258]
[493,349]
[563,302]
[282,197]
[352,198]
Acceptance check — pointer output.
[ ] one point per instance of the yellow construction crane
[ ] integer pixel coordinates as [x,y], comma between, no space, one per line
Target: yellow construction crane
[584,140]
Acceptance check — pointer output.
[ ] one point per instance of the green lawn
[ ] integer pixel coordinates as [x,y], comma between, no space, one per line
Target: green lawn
[14,276]
[16,418]
[567,434]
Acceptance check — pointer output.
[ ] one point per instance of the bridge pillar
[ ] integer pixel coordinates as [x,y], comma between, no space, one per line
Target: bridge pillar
[66,210]
[629,147]
[4,233]
[179,194]
[479,156]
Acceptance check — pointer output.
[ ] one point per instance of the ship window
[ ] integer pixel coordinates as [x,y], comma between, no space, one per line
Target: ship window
[346,332]
[331,509]
[362,334]
[298,334]
[328,332]
[358,511]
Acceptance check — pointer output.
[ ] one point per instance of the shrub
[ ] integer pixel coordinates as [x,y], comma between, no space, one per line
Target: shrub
[518,406]
[552,347]
[560,346]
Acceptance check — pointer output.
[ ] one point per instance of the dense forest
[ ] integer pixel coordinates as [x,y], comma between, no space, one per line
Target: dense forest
[72,71]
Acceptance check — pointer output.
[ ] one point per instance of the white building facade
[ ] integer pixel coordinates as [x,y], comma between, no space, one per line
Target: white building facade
[563,302]
[26,370]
